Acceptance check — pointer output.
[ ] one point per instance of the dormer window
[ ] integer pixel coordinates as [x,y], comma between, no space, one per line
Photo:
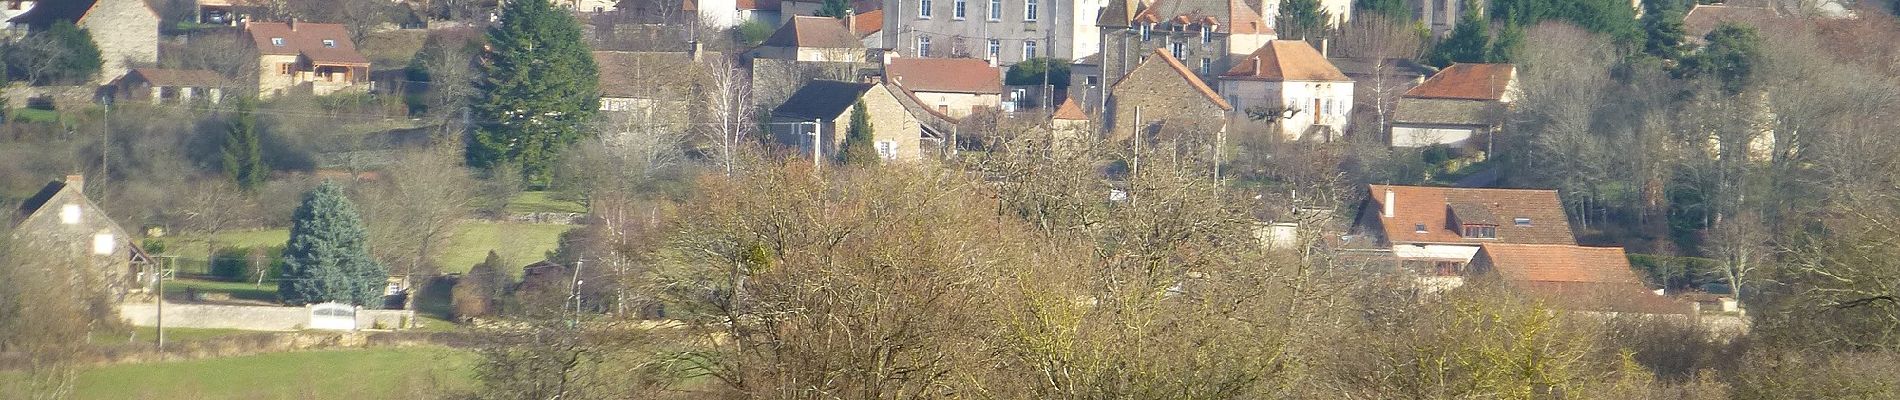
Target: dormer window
[1521,221]
[329,43]
[1476,231]
[1207,34]
[1420,228]
[1145,29]
[277,41]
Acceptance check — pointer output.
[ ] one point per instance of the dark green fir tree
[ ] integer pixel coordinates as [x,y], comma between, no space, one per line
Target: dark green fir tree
[243,151]
[538,90]
[327,258]
[859,147]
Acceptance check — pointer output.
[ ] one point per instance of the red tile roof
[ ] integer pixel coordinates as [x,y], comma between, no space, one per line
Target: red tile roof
[951,75]
[1069,111]
[306,39]
[1226,16]
[868,23]
[1285,60]
[1467,82]
[1433,208]
[813,32]
[1575,277]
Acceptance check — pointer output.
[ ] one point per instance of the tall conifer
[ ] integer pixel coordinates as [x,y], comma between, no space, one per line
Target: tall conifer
[538,90]
[327,258]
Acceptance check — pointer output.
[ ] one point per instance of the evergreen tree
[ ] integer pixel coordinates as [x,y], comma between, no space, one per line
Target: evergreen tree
[63,53]
[1469,42]
[243,151]
[1663,30]
[538,90]
[327,258]
[1302,19]
[1033,71]
[859,148]
[1730,57]
[1506,46]
[1393,9]
[834,8]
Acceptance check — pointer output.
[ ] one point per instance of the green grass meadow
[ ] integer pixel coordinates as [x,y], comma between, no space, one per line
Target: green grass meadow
[329,374]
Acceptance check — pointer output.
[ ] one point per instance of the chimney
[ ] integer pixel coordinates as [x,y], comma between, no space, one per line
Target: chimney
[694,49]
[293,24]
[1256,66]
[76,181]
[1322,48]
[851,21]
[1389,199]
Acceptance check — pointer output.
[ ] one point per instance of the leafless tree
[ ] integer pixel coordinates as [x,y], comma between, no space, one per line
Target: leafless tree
[214,206]
[413,214]
[730,100]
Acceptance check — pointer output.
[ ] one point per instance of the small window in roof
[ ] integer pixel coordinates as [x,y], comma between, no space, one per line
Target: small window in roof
[329,43]
[277,41]
[1420,228]
[1521,221]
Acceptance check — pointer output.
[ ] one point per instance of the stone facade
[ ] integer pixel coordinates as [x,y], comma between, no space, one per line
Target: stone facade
[253,318]
[69,232]
[896,132]
[1129,32]
[127,34]
[1160,98]
[1057,28]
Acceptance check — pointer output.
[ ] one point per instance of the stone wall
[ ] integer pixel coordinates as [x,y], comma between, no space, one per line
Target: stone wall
[890,122]
[127,34]
[1168,101]
[256,318]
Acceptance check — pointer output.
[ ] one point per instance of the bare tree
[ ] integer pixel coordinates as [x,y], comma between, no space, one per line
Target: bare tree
[215,206]
[730,101]
[414,214]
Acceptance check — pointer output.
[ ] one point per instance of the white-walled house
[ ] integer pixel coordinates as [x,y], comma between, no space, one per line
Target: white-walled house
[956,87]
[1457,107]
[813,39]
[1290,78]
[1339,11]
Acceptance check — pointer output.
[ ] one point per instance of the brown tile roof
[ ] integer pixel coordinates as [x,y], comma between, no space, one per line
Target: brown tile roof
[1575,277]
[1704,18]
[628,74]
[1227,16]
[1285,60]
[178,77]
[1432,207]
[1468,82]
[306,39]
[1069,111]
[1193,81]
[868,23]
[815,32]
[952,75]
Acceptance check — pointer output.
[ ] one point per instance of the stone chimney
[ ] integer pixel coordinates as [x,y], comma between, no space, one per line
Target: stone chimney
[1389,199]
[1322,48]
[851,21]
[293,24]
[76,181]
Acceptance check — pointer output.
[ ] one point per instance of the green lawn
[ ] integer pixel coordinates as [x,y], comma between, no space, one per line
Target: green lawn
[518,244]
[533,202]
[25,114]
[146,334]
[329,374]
[238,290]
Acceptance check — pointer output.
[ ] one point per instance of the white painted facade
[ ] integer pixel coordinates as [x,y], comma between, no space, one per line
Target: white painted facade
[1440,252]
[721,14]
[1325,103]
[959,105]
[1419,136]
[1087,36]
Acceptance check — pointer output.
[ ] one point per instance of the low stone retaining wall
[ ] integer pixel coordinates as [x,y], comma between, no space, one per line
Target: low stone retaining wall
[255,318]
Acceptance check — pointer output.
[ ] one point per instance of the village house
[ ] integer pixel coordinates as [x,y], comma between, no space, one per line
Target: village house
[125,30]
[1570,277]
[868,26]
[1308,98]
[896,132]
[1458,107]
[1206,35]
[13,8]
[1001,32]
[813,39]
[956,87]
[1440,15]
[647,90]
[1338,11]
[229,12]
[763,11]
[1434,231]
[170,86]
[305,57]
[793,8]
[64,227]
[1162,99]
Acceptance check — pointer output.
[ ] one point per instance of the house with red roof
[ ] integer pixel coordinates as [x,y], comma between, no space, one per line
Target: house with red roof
[1163,99]
[305,57]
[1458,107]
[813,39]
[956,87]
[1570,277]
[1306,95]
[1434,231]
[126,31]
[179,86]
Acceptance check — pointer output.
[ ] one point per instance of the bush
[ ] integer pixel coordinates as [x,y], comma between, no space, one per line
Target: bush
[752,32]
[245,263]
[1030,72]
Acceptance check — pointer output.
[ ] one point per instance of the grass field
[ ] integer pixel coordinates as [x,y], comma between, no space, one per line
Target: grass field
[331,374]
[531,202]
[519,244]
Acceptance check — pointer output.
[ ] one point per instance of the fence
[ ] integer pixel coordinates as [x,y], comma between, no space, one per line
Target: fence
[256,318]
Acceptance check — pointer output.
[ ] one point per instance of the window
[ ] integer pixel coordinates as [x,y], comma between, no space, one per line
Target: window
[1029,11]
[1521,221]
[996,10]
[1447,268]
[1029,49]
[277,41]
[1207,34]
[996,50]
[69,214]
[1178,49]
[1420,228]
[887,149]
[1145,29]
[1481,231]
[284,69]
[1207,65]
[923,46]
[1091,80]
[923,9]
[329,43]
[958,11]
[102,244]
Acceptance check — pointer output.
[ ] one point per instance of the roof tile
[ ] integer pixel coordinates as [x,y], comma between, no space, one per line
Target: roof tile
[1431,208]
[952,75]
[1467,81]
[1285,60]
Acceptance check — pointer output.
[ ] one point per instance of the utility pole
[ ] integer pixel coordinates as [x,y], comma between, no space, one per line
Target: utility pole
[576,294]
[1136,144]
[161,304]
[817,144]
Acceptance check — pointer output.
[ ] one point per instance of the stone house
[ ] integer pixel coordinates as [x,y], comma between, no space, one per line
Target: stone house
[1205,35]
[869,27]
[1434,231]
[125,30]
[1162,99]
[69,231]
[956,87]
[176,86]
[813,39]
[1570,277]
[305,57]
[1290,79]
[658,88]
[1002,32]
[1072,126]
[1458,107]
[896,131]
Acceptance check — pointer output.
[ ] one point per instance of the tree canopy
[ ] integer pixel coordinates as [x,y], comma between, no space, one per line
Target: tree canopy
[539,89]
[1730,57]
[61,54]
[1030,72]
[243,151]
[327,257]
[1302,19]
